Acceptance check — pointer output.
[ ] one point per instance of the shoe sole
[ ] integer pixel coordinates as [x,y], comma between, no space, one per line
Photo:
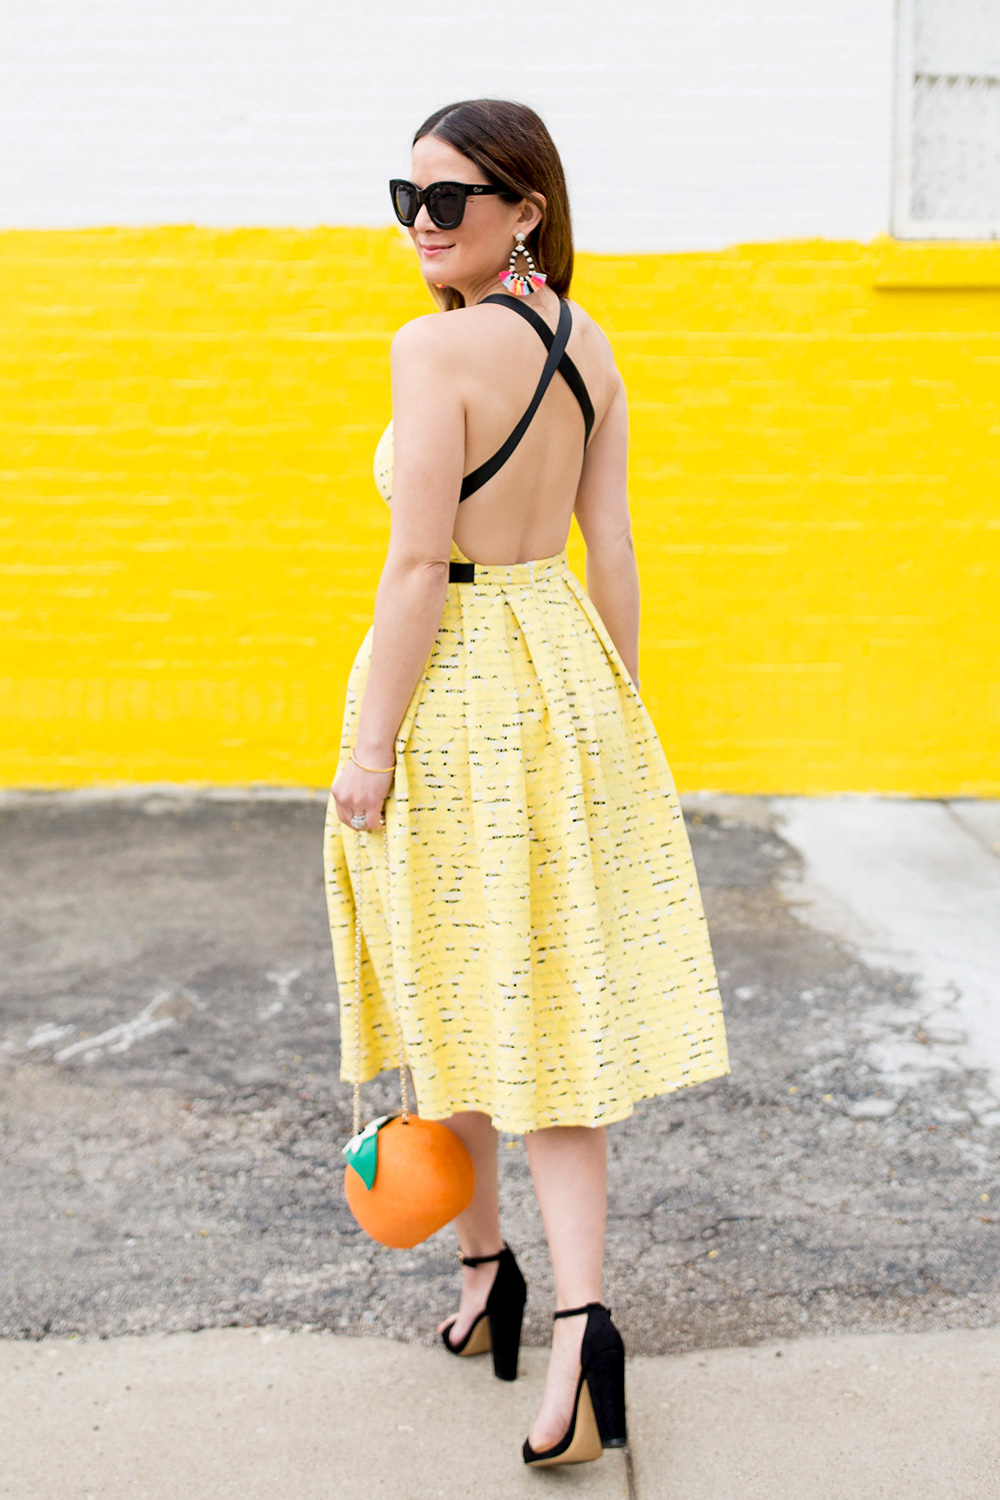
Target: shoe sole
[586,1444]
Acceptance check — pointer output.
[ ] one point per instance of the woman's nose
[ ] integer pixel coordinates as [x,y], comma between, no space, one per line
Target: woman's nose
[423,221]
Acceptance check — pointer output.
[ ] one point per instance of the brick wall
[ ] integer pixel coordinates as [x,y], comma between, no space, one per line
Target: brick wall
[191,539]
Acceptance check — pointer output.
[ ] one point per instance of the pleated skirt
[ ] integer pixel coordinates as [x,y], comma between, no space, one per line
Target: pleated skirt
[537,931]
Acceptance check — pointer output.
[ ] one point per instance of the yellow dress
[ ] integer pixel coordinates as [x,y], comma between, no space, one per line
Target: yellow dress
[546,949]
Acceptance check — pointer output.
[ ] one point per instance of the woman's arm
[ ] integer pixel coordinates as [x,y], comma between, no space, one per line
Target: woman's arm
[429,432]
[602,512]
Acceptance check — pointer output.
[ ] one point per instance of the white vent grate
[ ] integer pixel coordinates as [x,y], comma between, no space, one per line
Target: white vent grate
[948,119]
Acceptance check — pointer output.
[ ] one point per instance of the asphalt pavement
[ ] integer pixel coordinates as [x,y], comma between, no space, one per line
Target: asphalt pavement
[803,1256]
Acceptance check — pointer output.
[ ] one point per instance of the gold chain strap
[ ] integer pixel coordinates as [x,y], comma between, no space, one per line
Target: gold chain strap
[404,1097]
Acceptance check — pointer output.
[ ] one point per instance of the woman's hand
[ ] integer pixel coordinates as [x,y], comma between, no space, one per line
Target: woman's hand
[358,791]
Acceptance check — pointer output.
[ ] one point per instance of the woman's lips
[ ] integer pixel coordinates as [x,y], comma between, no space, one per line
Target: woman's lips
[433,250]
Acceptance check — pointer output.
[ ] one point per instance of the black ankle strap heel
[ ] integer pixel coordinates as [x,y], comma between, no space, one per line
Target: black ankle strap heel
[574,1312]
[478,1260]
[498,1327]
[598,1420]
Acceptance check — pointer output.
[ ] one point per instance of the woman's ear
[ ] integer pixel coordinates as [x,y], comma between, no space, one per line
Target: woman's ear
[530,213]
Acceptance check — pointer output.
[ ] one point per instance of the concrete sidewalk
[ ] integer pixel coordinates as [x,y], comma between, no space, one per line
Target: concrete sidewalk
[255,1414]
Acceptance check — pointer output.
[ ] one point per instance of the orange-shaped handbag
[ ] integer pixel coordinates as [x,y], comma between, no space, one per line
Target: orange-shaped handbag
[405,1177]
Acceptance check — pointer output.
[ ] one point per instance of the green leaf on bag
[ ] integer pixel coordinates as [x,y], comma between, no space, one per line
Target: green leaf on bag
[361,1151]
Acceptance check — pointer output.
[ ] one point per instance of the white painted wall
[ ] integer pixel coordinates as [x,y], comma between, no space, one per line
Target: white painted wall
[683,126]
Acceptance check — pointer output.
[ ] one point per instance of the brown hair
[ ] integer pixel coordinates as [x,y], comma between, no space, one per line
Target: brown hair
[511,145]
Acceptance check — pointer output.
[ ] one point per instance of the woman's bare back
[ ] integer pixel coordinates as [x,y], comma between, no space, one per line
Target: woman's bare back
[525,510]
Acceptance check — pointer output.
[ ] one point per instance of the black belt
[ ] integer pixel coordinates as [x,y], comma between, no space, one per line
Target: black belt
[460,572]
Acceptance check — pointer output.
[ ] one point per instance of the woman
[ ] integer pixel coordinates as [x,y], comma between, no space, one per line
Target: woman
[549,961]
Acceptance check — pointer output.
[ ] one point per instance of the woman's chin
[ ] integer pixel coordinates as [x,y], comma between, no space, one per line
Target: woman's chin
[434,275]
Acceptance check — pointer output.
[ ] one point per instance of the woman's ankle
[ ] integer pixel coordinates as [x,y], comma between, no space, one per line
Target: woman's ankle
[572,1306]
[486,1249]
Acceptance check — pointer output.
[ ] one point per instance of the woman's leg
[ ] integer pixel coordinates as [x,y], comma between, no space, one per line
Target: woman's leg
[569,1168]
[479,1226]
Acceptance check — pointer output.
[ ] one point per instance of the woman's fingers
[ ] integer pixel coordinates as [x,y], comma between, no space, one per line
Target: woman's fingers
[372,819]
[348,811]
[358,793]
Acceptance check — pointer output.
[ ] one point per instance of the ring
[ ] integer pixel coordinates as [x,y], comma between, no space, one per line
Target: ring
[359,821]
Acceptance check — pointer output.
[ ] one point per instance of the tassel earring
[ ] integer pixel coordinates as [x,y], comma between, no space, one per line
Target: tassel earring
[522,283]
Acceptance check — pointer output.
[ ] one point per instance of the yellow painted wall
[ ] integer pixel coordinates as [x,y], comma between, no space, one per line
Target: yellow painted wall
[191,538]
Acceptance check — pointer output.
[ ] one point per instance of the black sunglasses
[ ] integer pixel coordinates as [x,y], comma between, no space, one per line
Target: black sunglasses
[445,200]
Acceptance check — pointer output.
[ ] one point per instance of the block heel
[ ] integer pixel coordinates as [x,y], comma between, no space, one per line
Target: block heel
[505,1337]
[498,1326]
[598,1420]
[605,1379]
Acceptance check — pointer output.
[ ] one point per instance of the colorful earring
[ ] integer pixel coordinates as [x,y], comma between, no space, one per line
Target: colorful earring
[522,283]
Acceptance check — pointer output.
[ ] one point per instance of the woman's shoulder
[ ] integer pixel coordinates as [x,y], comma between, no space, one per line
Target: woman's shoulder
[596,359]
[589,329]
[455,339]
[469,334]
[423,336]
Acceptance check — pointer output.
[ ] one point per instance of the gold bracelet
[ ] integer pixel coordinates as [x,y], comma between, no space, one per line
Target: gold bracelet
[375,770]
